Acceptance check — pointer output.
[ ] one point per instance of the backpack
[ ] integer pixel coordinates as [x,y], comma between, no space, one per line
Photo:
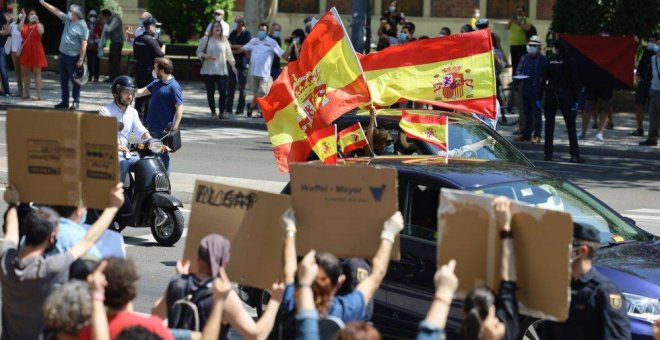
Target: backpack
[189,302]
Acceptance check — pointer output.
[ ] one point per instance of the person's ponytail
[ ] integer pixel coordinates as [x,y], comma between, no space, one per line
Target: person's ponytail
[471,328]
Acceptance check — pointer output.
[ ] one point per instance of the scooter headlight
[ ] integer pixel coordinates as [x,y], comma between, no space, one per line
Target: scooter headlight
[156,147]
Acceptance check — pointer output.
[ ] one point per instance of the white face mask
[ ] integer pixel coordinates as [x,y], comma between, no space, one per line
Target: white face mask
[218,17]
[32,18]
[21,16]
[532,49]
[154,74]
[70,15]
[92,19]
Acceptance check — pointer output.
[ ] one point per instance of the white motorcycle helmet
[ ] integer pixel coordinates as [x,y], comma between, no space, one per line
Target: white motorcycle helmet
[81,74]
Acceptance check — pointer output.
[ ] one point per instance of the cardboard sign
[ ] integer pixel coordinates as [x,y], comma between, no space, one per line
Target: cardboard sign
[250,220]
[62,158]
[341,209]
[467,232]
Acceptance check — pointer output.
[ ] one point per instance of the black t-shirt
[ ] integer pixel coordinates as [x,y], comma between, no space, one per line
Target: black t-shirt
[276,59]
[3,22]
[146,48]
[240,39]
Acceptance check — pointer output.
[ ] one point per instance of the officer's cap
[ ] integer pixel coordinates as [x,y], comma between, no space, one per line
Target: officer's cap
[148,22]
[585,233]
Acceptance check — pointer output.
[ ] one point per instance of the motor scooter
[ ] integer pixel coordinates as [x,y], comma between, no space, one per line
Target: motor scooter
[148,202]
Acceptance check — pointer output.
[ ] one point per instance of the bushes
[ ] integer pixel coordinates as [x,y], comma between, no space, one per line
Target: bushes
[184,19]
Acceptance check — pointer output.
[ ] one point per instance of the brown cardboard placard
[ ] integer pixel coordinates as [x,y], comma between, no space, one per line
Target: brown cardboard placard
[467,233]
[49,149]
[249,219]
[341,209]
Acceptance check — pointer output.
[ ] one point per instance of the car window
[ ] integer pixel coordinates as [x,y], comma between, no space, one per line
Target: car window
[564,196]
[422,219]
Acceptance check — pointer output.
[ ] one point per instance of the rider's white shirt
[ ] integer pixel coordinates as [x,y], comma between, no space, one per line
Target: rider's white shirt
[132,124]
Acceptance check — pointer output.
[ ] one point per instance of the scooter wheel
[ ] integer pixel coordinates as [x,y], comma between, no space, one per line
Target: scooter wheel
[167,225]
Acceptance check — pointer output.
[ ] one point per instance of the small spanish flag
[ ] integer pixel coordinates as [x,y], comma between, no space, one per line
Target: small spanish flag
[324,143]
[352,138]
[430,128]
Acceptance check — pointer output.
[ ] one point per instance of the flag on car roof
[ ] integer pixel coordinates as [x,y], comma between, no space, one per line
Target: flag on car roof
[324,83]
[427,127]
[454,72]
[613,70]
[352,138]
[324,143]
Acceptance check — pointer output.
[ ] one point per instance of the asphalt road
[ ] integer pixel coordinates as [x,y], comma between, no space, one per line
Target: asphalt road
[631,186]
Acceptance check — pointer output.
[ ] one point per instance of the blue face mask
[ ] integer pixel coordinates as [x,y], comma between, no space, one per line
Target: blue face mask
[157,32]
[392,9]
[389,149]
[532,49]
[656,49]
[650,46]
[403,37]
[276,34]
[83,219]
[139,23]
[261,35]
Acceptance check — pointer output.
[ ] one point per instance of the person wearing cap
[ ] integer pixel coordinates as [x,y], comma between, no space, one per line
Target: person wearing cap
[218,16]
[146,48]
[73,47]
[237,38]
[212,255]
[114,31]
[531,67]
[139,29]
[597,310]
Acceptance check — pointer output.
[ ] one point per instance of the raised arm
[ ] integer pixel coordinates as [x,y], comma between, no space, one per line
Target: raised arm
[446,284]
[381,260]
[307,315]
[97,229]
[370,131]
[289,250]
[52,9]
[99,320]
[241,321]
[11,217]
[502,207]
[221,289]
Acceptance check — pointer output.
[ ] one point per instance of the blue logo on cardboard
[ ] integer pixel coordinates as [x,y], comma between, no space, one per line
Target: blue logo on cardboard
[377,192]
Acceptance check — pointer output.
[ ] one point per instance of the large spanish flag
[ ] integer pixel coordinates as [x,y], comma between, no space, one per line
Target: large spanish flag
[427,127]
[324,143]
[352,138]
[455,72]
[324,83]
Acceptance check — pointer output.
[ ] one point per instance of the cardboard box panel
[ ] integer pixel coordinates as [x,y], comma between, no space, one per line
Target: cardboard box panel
[341,209]
[99,161]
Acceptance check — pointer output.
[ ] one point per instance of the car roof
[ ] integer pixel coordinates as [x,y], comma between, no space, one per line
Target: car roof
[465,173]
[393,116]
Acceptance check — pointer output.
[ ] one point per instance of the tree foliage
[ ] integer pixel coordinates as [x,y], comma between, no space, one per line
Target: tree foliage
[184,19]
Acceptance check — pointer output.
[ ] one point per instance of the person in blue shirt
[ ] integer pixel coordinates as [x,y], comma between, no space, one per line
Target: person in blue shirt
[71,231]
[531,67]
[166,104]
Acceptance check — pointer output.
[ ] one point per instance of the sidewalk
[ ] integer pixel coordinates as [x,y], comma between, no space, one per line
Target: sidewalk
[94,95]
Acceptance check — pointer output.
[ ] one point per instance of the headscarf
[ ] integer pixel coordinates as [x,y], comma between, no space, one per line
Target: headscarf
[214,250]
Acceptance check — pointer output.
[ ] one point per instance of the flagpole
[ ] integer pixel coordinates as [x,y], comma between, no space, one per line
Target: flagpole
[367,139]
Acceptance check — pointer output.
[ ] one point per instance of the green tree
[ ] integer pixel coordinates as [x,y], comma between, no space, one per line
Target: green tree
[183,19]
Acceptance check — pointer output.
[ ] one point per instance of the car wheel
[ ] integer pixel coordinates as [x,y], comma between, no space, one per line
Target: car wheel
[529,327]
[167,225]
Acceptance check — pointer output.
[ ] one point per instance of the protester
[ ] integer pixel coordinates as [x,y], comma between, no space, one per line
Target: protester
[166,104]
[215,52]
[16,42]
[475,17]
[68,309]
[560,80]
[123,91]
[391,20]
[467,28]
[219,17]
[5,19]
[146,48]
[654,95]
[139,29]
[262,48]
[27,276]
[518,26]
[32,56]
[121,276]
[212,256]
[71,230]
[407,33]
[597,310]
[73,46]
[114,31]
[531,67]
[597,105]
[292,52]
[644,76]
[93,44]
[445,32]
[237,38]
[274,33]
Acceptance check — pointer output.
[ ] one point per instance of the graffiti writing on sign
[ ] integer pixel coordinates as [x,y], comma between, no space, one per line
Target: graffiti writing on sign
[228,199]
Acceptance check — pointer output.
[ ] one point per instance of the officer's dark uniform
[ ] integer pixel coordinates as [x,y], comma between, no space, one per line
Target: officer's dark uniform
[561,77]
[597,311]
[146,48]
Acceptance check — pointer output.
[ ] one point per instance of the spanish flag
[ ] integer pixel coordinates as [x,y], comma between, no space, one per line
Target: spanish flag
[324,143]
[352,138]
[427,127]
[454,72]
[324,83]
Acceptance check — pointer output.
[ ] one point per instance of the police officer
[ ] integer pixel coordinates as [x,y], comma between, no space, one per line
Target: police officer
[146,48]
[560,85]
[598,310]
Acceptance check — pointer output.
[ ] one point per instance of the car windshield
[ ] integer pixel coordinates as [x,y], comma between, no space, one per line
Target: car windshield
[560,195]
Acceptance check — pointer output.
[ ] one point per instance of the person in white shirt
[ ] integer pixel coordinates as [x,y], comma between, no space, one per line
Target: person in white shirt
[123,91]
[139,29]
[215,52]
[218,16]
[261,51]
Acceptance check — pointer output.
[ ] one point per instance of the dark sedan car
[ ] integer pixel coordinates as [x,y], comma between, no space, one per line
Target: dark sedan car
[405,295]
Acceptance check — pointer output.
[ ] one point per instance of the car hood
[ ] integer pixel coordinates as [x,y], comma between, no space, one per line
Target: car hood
[638,264]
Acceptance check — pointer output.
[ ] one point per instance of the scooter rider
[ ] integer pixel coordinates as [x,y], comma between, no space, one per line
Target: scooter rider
[123,92]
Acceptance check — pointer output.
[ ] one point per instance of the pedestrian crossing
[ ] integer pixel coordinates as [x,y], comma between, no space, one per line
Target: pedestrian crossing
[219,133]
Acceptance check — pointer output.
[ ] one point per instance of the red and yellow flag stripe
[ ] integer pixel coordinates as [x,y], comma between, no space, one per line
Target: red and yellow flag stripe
[352,138]
[324,143]
[427,127]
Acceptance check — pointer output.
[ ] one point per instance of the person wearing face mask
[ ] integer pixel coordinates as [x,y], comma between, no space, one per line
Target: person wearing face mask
[475,17]
[139,29]
[274,33]
[5,19]
[146,48]
[531,66]
[407,33]
[644,76]
[113,30]
[93,42]
[262,49]
[654,95]
[32,57]
[391,20]
[445,32]
[218,16]
[292,51]
[73,47]
[237,38]
[597,310]
[518,26]
[16,42]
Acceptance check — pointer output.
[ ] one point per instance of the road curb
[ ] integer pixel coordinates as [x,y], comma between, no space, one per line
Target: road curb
[588,150]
